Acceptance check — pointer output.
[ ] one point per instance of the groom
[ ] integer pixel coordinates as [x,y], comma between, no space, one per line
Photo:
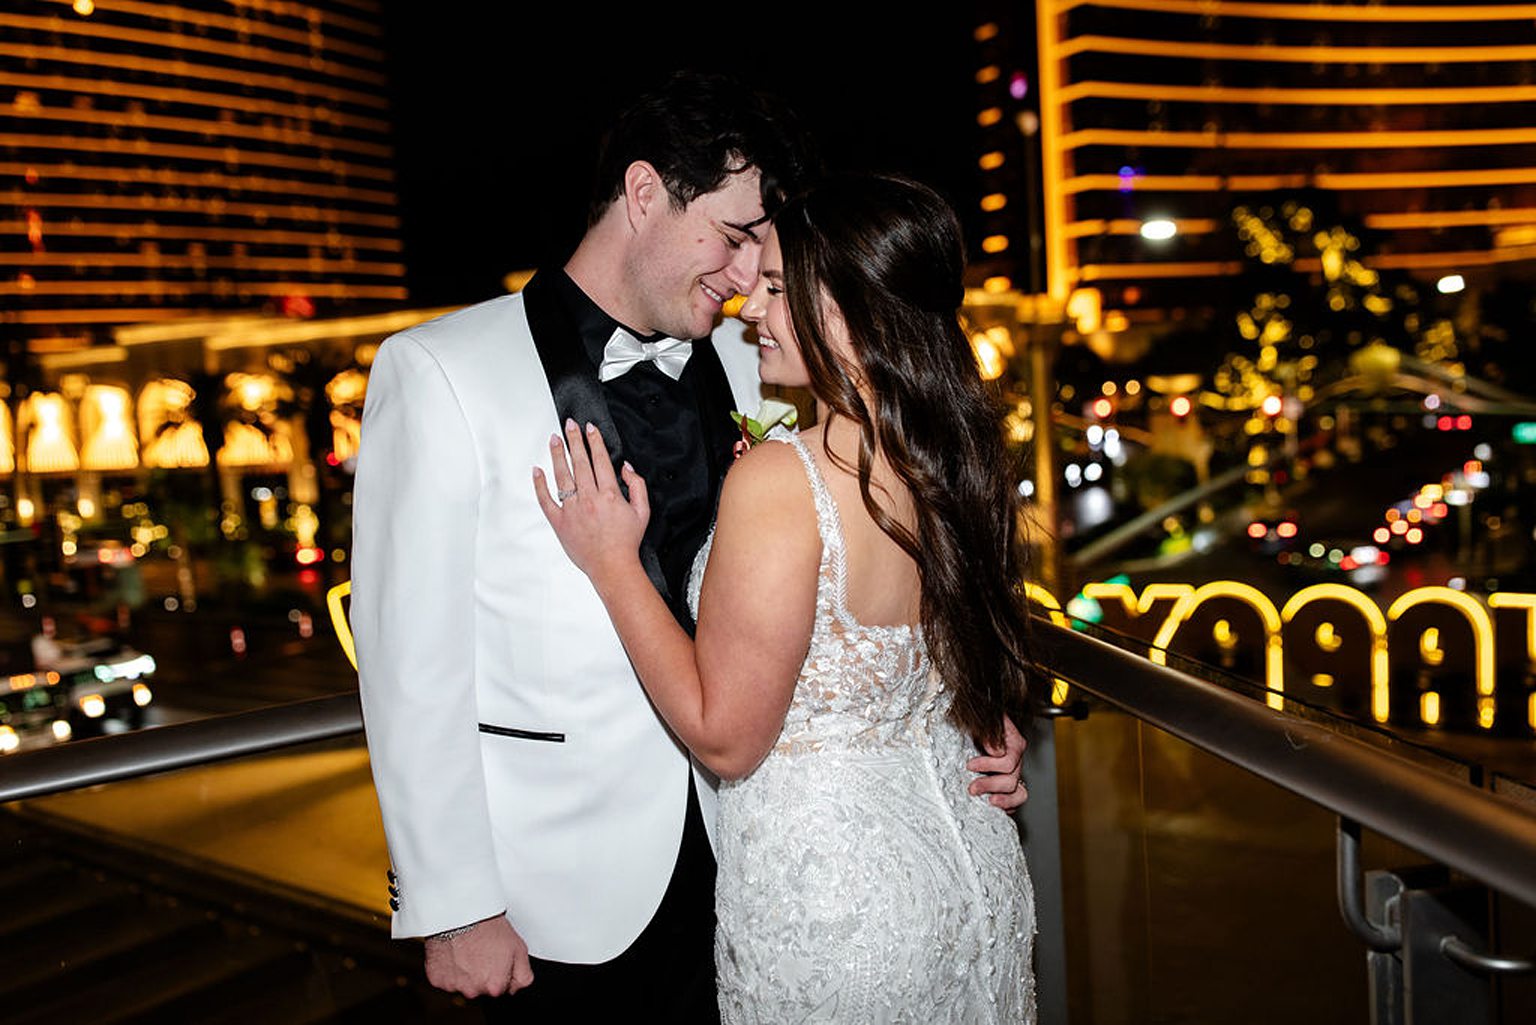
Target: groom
[548,835]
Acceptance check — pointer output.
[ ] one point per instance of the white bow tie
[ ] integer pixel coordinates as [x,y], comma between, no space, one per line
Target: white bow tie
[624,350]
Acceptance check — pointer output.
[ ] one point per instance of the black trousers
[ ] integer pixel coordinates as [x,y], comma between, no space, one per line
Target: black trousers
[667,974]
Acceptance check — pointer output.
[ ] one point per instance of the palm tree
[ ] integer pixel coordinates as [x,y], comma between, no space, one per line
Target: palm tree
[307,374]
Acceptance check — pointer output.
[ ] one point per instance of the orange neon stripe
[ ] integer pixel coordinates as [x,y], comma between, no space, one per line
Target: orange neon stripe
[1084,229]
[178,42]
[1463,258]
[1385,261]
[1115,271]
[1343,181]
[1450,218]
[1189,50]
[1315,11]
[185,69]
[102,316]
[286,187]
[302,265]
[323,289]
[1342,97]
[192,98]
[1407,220]
[149,232]
[195,126]
[250,26]
[1301,140]
[212,154]
[286,9]
[1060,278]
[294,210]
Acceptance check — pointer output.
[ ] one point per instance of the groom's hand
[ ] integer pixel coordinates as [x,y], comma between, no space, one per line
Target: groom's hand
[488,960]
[1000,768]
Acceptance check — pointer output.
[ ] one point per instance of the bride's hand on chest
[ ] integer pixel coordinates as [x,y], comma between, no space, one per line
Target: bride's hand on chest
[599,528]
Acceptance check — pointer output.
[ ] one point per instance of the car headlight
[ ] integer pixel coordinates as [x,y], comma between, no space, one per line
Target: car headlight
[62,730]
[93,706]
[142,695]
[9,741]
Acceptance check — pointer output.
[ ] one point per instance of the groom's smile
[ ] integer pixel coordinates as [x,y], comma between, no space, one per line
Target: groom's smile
[690,261]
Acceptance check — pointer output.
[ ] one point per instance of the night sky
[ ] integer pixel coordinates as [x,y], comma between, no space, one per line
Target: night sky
[498,115]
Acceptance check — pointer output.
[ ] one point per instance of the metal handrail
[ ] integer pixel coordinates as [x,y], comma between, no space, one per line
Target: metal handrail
[219,738]
[1484,835]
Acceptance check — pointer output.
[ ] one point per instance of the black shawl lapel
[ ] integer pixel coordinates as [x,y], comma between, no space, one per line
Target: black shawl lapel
[575,388]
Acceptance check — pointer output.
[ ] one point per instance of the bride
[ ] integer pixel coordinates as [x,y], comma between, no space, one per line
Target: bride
[860,633]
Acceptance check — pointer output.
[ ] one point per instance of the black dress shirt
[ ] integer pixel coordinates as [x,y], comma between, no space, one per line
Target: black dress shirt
[669,437]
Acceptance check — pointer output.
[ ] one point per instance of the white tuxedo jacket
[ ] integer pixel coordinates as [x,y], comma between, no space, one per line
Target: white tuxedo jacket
[518,762]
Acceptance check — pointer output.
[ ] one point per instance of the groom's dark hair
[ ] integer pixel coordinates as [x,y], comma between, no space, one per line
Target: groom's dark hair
[697,130]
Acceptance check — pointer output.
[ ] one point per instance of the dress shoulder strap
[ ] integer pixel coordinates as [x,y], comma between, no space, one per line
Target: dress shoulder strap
[827,522]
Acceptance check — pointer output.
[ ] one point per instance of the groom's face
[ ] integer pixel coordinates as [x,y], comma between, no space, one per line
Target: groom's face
[690,261]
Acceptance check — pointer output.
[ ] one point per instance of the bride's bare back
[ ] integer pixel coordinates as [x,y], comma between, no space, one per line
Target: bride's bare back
[883,585]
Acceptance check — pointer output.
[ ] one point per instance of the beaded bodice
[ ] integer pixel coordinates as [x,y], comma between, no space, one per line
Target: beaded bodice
[861,686]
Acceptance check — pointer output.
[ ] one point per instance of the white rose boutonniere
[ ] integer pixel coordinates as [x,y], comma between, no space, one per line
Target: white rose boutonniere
[755,428]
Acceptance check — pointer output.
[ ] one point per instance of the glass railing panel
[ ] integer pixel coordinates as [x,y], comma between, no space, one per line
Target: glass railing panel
[304,820]
[1515,923]
[97,669]
[251,890]
[1423,748]
[1197,891]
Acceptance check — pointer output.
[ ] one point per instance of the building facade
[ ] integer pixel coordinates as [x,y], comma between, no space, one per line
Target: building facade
[1157,118]
[159,160]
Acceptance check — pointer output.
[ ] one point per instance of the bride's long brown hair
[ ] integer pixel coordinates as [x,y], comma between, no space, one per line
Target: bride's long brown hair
[887,254]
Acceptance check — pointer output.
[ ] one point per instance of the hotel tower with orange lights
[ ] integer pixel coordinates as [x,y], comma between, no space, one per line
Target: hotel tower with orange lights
[1157,117]
[160,160]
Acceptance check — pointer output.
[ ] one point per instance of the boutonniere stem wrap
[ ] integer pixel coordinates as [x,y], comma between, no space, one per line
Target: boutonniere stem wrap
[755,428]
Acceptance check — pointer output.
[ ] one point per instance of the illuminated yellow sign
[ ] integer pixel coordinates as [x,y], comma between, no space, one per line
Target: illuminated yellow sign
[1434,656]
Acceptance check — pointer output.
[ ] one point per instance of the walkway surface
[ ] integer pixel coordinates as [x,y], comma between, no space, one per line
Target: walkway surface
[306,822]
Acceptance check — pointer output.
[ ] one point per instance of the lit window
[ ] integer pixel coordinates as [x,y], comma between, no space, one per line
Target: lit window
[49,432]
[107,429]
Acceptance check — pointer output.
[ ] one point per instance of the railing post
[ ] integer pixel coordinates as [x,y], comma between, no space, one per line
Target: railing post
[1435,988]
[1040,822]
[1384,966]
[1423,932]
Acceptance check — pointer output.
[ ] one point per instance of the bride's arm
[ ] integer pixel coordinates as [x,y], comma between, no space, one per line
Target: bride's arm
[725,697]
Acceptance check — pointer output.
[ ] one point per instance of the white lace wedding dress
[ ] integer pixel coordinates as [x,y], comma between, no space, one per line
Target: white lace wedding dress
[859,881]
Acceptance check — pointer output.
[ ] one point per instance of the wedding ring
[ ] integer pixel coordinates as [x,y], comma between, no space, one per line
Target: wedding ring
[565,493]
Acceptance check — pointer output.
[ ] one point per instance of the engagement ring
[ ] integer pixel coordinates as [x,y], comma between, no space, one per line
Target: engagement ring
[565,493]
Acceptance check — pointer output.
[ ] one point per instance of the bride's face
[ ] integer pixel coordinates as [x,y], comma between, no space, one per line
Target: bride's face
[778,354]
